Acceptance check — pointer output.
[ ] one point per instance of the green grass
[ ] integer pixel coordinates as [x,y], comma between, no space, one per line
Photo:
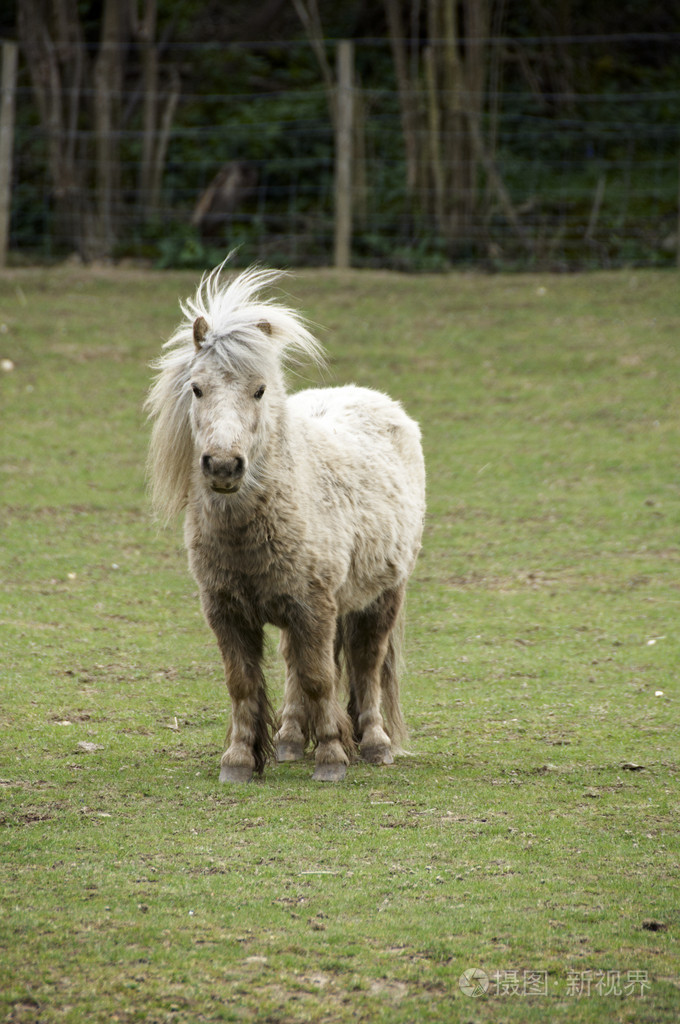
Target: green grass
[516,836]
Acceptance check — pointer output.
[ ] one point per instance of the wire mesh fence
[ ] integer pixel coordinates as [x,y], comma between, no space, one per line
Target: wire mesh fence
[558,178]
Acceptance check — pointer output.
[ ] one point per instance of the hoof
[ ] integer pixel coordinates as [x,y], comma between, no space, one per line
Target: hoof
[289,751]
[377,755]
[235,773]
[329,772]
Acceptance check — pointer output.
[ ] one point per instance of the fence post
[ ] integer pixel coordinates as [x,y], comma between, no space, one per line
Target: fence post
[677,239]
[7,92]
[343,154]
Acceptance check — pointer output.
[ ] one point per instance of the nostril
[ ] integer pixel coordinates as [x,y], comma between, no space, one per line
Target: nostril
[239,465]
[206,464]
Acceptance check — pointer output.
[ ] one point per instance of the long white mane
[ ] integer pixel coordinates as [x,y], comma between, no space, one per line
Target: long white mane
[245,330]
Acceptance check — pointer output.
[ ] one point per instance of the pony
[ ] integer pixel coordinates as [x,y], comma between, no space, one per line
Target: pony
[302,510]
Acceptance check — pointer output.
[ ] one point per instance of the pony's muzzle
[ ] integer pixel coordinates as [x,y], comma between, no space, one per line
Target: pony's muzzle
[223,475]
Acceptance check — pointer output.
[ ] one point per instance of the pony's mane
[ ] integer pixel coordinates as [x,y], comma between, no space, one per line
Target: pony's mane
[247,332]
[235,313]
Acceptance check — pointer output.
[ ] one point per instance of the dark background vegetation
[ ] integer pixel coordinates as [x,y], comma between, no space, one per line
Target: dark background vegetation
[533,134]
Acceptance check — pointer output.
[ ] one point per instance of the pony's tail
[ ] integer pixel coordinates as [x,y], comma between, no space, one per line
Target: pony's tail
[395,725]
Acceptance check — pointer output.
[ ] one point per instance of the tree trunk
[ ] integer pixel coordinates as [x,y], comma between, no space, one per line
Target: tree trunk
[7,103]
[452,74]
[435,168]
[80,100]
[163,137]
[144,29]
[308,13]
[108,81]
[461,31]
[406,87]
[158,109]
[52,41]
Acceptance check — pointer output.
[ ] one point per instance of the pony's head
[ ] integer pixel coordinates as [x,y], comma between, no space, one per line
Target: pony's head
[219,396]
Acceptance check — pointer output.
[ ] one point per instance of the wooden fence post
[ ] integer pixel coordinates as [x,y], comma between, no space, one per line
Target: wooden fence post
[677,240]
[7,93]
[343,154]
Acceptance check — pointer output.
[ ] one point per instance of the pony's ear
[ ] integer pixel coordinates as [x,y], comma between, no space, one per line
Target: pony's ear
[200,331]
[265,327]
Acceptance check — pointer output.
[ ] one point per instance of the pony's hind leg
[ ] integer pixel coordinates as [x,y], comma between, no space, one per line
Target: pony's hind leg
[293,735]
[371,657]
[291,739]
[309,646]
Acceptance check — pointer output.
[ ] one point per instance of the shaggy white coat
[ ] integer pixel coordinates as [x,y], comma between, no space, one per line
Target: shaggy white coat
[318,532]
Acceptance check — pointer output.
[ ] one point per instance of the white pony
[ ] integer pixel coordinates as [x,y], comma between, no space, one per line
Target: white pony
[305,511]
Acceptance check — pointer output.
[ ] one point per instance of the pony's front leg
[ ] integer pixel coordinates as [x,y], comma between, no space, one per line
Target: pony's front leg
[309,646]
[249,735]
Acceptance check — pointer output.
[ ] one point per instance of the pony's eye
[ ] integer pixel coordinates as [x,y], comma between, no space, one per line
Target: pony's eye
[197,391]
[259,393]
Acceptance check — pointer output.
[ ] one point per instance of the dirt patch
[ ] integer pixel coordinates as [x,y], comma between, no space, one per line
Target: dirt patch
[33,815]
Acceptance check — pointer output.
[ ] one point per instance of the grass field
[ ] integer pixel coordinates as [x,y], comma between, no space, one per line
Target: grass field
[531,832]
